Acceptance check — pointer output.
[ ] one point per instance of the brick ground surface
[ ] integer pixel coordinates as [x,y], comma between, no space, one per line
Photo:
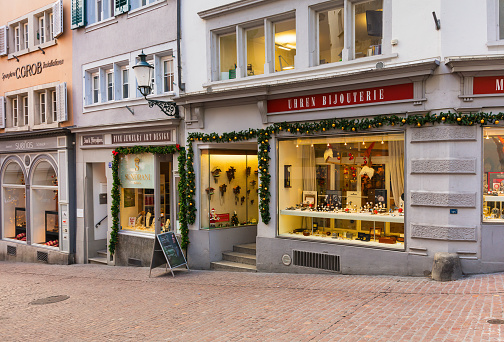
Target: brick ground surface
[123,304]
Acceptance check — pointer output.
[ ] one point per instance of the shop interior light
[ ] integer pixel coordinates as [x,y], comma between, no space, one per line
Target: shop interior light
[345,142]
[297,145]
[487,137]
[382,141]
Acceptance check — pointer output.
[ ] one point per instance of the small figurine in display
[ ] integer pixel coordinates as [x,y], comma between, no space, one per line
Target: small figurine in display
[147,219]
[216,173]
[139,219]
[222,189]
[213,218]
[231,173]
[234,220]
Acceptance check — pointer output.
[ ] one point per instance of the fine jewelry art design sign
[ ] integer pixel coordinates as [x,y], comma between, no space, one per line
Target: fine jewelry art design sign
[152,136]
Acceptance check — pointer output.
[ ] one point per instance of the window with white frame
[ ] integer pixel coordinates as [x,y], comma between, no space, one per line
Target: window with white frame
[96,88]
[110,86]
[167,75]
[140,3]
[25,109]
[125,82]
[41,30]
[501,19]
[331,29]
[25,32]
[15,116]
[42,108]
[99,10]
[51,25]
[17,38]
[54,108]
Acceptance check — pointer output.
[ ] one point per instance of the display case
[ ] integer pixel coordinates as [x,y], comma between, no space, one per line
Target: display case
[51,228]
[229,183]
[20,219]
[493,208]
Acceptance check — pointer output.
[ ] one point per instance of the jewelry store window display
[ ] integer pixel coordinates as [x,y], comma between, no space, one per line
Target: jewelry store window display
[493,176]
[346,189]
[229,183]
[14,202]
[138,193]
[44,210]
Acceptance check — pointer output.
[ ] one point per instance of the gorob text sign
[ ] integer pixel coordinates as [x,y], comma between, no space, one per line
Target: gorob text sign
[343,98]
[31,69]
[159,136]
[137,171]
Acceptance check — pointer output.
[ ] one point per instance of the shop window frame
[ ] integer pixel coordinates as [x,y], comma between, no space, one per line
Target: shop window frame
[6,163]
[280,184]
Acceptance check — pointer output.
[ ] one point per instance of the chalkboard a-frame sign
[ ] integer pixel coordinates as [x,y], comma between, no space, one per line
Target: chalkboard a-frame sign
[167,251]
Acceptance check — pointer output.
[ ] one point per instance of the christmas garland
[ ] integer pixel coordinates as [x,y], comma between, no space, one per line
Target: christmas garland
[116,195]
[345,125]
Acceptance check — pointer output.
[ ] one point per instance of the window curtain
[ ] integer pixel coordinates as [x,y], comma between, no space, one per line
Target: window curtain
[396,153]
[309,172]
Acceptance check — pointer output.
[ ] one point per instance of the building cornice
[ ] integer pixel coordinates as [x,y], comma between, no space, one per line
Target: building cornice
[229,8]
[475,63]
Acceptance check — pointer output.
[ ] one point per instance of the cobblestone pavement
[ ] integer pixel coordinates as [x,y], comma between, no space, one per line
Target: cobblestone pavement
[123,304]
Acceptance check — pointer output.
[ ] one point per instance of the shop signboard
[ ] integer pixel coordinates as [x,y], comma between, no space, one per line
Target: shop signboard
[136,171]
[167,251]
[354,97]
[143,137]
[488,85]
[9,146]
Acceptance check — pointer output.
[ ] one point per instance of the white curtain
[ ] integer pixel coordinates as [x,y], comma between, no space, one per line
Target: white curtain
[309,172]
[396,153]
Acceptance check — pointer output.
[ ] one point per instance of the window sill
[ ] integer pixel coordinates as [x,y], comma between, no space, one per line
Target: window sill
[137,234]
[496,43]
[112,104]
[15,241]
[17,129]
[44,126]
[352,243]
[32,49]
[45,246]
[319,71]
[147,8]
[101,24]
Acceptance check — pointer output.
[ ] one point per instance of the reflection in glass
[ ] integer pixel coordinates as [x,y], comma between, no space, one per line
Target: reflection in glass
[331,34]
[368,28]
[255,51]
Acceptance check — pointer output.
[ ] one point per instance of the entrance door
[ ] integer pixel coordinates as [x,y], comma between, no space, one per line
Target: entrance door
[96,210]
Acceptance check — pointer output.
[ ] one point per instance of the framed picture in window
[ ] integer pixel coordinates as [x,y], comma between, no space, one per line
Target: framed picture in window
[310,197]
[334,198]
[129,197]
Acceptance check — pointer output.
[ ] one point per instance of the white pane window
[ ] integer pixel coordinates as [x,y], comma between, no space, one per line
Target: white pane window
[25,109]
[125,83]
[51,23]
[17,38]
[501,19]
[227,55]
[144,2]
[96,88]
[285,45]
[25,30]
[54,111]
[41,30]
[14,112]
[255,51]
[99,9]
[331,32]
[168,75]
[153,80]
[110,86]
[368,21]
[43,118]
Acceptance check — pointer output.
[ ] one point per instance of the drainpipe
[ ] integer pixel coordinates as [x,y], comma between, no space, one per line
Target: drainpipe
[179,62]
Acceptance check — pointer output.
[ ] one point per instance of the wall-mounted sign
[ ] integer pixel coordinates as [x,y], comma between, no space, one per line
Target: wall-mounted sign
[31,69]
[159,136]
[137,171]
[342,98]
[488,85]
[88,140]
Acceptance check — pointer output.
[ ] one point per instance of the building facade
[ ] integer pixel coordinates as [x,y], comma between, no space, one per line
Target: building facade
[363,115]
[37,152]
[111,113]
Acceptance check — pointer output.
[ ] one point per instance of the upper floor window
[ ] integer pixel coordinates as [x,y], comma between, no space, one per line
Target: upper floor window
[96,88]
[43,108]
[54,106]
[501,19]
[331,32]
[41,30]
[110,86]
[15,112]
[368,27]
[285,44]
[25,31]
[25,109]
[17,38]
[125,82]
[227,53]
[167,75]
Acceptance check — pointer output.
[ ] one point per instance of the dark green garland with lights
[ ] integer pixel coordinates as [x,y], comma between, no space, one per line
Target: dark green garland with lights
[346,125]
[116,195]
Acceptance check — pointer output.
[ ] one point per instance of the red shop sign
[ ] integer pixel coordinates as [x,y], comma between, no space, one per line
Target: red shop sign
[488,85]
[343,98]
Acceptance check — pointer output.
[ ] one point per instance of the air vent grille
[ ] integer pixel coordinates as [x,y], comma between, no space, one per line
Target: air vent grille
[42,256]
[134,262]
[321,261]
[11,250]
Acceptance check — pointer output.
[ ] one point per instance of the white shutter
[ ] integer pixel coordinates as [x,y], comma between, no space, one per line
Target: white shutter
[3,40]
[2,112]
[58,18]
[61,102]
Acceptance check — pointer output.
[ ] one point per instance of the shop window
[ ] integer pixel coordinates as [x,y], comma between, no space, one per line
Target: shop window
[331,27]
[343,189]
[368,21]
[44,211]
[137,211]
[227,49]
[493,176]
[229,188]
[14,202]
[285,44]
[255,51]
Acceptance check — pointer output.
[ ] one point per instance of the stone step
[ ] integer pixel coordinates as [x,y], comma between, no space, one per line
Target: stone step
[98,260]
[242,258]
[247,248]
[232,266]
[102,253]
